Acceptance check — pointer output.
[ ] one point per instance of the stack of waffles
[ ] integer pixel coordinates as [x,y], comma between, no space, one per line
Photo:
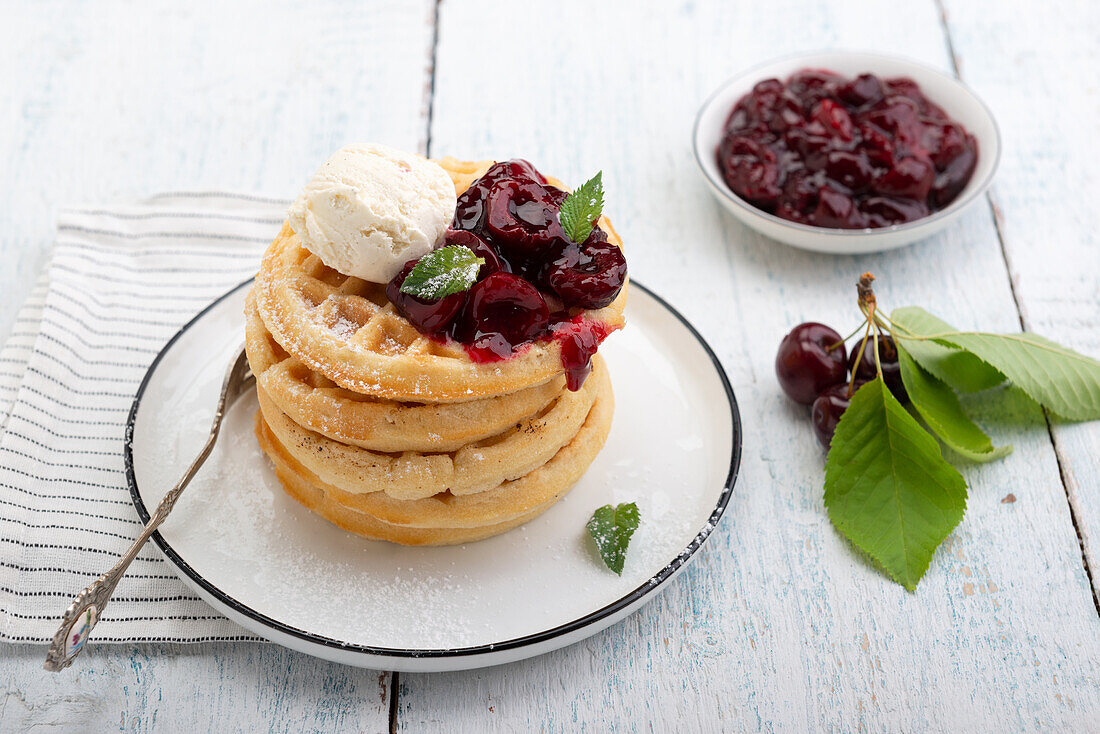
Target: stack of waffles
[397,436]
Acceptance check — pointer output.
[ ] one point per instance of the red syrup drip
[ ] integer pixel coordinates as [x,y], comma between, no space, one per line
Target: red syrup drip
[579,341]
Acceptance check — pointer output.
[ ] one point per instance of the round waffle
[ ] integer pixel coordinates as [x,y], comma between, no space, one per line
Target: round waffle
[476,467]
[346,329]
[500,508]
[313,401]
[363,524]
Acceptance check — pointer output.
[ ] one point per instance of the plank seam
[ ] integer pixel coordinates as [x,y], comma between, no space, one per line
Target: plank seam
[430,91]
[998,226]
[394,680]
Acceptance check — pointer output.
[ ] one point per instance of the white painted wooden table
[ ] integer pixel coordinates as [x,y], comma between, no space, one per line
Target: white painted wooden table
[779,625]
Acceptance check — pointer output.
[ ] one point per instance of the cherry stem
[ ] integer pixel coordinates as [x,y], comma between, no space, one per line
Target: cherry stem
[838,344]
[862,344]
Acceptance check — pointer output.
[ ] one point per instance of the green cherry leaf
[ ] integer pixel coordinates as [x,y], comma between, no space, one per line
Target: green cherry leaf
[939,406]
[1066,382]
[959,369]
[611,528]
[443,272]
[887,488]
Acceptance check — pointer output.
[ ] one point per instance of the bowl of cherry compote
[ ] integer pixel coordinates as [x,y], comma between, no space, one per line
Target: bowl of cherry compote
[536,284]
[846,152]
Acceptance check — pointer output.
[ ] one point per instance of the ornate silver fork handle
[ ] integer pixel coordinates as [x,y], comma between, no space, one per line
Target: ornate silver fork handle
[87,608]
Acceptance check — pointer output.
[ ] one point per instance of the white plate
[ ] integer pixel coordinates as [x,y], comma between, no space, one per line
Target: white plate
[275,568]
[958,100]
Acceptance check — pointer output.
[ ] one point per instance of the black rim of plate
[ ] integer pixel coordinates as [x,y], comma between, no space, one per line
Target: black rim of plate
[533,639]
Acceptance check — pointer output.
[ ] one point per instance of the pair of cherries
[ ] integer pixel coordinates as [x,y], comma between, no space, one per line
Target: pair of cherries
[813,368]
[534,278]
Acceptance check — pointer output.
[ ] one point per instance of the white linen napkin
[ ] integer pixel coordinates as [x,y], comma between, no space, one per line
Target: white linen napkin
[119,284]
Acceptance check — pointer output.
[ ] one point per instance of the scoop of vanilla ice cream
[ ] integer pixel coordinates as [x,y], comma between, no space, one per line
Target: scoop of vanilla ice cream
[370,209]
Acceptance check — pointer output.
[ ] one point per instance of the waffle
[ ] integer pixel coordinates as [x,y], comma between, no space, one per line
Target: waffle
[347,330]
[316,403]
[490,512]
[476,467]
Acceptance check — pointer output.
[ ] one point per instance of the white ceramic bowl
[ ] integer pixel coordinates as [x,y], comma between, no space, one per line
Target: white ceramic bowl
[955,98]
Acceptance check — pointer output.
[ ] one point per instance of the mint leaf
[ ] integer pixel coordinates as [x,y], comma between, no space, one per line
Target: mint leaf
[1066,382]
[443,272]
[887,489]
[582,208]
[611,528]
[939,406]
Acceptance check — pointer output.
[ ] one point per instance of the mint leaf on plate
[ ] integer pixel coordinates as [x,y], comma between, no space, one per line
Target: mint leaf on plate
[1059,378]
[611,528]
[582,208]
[939,406]
[959,369]
[887,488]
[443,272]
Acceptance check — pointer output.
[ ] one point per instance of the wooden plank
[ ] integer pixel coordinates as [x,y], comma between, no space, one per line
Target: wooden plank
[779,625]
[214,687]
[118,101]
[1047,191]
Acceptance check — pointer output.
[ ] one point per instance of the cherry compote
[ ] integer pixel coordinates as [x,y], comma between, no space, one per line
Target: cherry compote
[429,317]
[589,275]
[811,358]
[827,151]
[535,283]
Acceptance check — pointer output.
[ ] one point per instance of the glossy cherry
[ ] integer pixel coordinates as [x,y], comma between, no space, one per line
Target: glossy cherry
[493,262]
[589,275]
[862,365]
[522,219]
[827,409]
[811,357]
[470,208]
[751,169]
[502,311]
[818,148]
[430,317]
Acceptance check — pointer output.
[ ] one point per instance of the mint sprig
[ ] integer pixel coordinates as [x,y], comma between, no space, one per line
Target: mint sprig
[582,208]
[888,489]
[443,272]
[611,528]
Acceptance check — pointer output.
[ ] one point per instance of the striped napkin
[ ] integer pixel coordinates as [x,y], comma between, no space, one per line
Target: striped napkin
[119,284]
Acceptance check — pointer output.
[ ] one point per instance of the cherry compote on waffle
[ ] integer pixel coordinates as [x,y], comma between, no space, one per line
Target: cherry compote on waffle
[535,284]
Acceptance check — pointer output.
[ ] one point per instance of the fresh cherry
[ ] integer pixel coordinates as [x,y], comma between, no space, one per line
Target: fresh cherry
[502,311]
[862,365]
[827,409]
[589,275]
[811,358]
[429,317]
